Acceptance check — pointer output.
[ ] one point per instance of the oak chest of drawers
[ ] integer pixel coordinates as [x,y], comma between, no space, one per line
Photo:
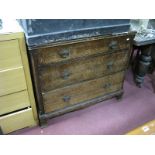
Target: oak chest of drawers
[73,74]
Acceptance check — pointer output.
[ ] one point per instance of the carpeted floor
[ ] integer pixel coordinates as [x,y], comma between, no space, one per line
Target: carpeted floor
[109,117]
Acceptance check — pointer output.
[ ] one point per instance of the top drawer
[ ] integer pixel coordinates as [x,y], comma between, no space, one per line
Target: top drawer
[70,51]
[9,55]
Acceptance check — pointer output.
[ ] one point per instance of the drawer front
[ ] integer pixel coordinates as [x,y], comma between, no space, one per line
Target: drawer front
[65,52]
[12,81]
[84,91]
[61,75]
[18,120]
[13,102]
[9,55]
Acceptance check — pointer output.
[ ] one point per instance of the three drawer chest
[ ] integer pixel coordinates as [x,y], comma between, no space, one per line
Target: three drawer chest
[74,73]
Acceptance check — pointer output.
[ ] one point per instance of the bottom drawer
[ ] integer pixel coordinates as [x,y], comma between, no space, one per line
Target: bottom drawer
[18,120]
[61,98]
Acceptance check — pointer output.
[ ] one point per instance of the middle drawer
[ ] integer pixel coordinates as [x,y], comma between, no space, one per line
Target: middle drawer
[60,75]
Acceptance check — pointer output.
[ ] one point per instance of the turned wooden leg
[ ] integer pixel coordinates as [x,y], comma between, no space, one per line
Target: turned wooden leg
[142,65]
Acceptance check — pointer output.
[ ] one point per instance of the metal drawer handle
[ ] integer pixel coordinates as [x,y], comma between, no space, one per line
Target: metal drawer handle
[113,45]
[66,74]
[64,53]
[107,85]
[110,65]
[66,98]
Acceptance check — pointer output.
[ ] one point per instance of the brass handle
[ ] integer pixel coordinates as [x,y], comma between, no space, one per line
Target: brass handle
[107,85]
[64,53]
[113,45]
[66,98]
[110,65]
[66,74]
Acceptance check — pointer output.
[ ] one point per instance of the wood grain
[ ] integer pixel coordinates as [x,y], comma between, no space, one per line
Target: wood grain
[54,77]
[84,91]
[81,105]
[13,102]
[73,74]
[53,54]
[9,55]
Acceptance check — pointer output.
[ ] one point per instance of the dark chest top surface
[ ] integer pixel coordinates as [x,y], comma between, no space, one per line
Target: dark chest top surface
[40,32]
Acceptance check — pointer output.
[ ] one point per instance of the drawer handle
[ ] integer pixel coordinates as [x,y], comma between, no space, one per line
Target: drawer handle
[110,65]
[66,98]
[107,85]
[64,53]
[113,45]
[65,75]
